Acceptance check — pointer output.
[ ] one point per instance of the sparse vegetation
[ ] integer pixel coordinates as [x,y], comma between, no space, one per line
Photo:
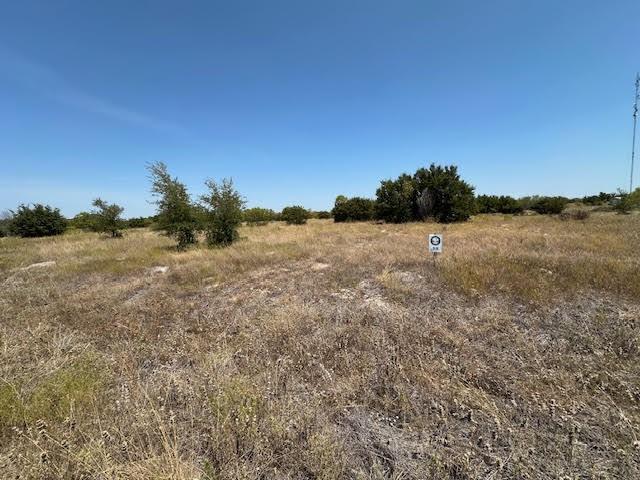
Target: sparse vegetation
[37,221]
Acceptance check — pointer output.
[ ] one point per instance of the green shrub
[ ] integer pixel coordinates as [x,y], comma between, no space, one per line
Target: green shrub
[5,224]
[323,214]
[176,215]
[441,194]
[139,222]
[395,200]
[295,215]
[549,205]
[437,192]
[37,221]
[627,201]
[107,218]
[353,209]
[73,386]
[83,221]
[599,199]
[498,204]
[223,207]
[258,216]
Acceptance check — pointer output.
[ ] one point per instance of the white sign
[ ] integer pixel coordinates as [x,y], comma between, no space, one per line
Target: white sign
[435,242]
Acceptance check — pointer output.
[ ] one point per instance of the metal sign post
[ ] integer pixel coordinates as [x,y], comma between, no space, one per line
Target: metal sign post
[435,245]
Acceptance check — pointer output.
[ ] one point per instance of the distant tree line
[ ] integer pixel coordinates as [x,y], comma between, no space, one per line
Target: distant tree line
[437,193]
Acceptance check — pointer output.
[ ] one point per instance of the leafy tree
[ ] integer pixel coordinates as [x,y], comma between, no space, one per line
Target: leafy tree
[394,200]
[258,216]
[295,215]
[440,193]
[175,213]
[498,204]
[322,214]
[107,218]
[37,221]
[223,205]
[353,209]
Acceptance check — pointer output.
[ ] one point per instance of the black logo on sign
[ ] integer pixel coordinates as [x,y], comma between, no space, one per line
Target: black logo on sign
[435,241]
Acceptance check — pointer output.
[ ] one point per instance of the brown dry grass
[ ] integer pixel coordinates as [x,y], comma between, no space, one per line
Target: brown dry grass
[325,351]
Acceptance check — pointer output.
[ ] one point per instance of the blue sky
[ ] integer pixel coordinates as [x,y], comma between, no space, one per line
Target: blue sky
[299,101]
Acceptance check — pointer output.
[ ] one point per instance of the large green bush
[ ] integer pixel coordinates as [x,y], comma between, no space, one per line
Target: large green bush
[322,214]
[498,204]
[139,222]
[258,216]
[176,216]
[549,205]
[223,207]
[395,200]
[37,221]
[442,195]
[436,192]
[83,221]
[295,215]
[353,209]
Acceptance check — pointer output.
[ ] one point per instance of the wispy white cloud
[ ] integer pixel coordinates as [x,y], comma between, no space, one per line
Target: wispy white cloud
[50,84]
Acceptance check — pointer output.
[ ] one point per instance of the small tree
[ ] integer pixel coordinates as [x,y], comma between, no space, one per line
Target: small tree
[442,194]
[107,218]
[37,221]
[394,200]
[175,212]
[223,206]
[295,215]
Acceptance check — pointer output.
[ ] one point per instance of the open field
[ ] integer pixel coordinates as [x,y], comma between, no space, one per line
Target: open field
[325,351]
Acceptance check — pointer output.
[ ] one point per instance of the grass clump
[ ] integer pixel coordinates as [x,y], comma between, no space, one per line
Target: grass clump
[72,387]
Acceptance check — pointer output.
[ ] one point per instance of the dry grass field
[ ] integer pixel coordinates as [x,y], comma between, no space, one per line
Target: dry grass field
[325,351]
